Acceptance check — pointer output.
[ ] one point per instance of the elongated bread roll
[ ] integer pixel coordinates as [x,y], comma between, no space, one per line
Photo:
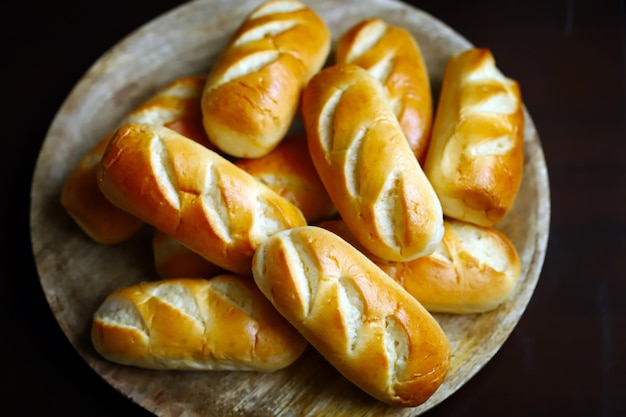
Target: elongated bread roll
[476,158]
[81,198]
[367,166]
[289,171]
[473,270]
[392,55]
[176,106]
[172,259]
[192,194]
[363,322]
[223,323]
[253,90]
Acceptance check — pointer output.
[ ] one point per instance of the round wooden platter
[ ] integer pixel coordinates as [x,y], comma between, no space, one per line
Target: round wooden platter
[76,273]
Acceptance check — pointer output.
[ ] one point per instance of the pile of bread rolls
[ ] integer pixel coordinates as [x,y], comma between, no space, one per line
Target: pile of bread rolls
[347,237]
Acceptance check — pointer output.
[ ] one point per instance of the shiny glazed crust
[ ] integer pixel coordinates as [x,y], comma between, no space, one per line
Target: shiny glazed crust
[362,321]
[289,171]
[176,106]
[476,159]
[172,259]
[253,90]
[367,166]
[223,323]
[392,55]
[473,270]
[193,194]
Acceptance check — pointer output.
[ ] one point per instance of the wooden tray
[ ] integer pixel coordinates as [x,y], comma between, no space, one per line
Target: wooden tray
[76,273]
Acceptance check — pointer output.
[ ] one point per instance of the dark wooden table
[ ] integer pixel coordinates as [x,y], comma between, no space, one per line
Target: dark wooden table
[567,356]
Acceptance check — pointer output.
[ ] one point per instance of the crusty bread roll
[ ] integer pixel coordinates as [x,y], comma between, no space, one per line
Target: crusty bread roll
[473,270]
[363,322]
[172,259]
[367,166]
[176,106]
[289,171]
[476,158]
[192,194]
[392,55]
[223,323]
[252,92]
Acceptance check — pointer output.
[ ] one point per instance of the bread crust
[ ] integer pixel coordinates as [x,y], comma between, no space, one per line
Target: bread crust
[223,323]
[176,106]
[393,56]
[367,166]
[253,90]
[289,171]
[363,322]
[475,160]
[474,269]
[192,194]
[172,259]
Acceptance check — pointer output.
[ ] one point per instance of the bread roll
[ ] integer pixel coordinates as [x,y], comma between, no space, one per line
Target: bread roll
[81,198]
[176,106]
[476,158]
[172,259]
[289,171]
[192,194]
[367,166]
[392,55]
[365,324]
[473,270]
[252,92]
[224,323]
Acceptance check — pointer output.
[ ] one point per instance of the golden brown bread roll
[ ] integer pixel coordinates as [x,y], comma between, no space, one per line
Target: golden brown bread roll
[172,259]
[223,323]
[289,171]
[192,194]
[177,106]
[363,322]
[473,270]
[81,198]
[367,166]
[392,55]
[476,158]
[252,92]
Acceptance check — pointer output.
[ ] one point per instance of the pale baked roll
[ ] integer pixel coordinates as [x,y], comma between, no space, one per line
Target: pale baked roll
[474,269]
[393,56]
[363,322]
[172,259]
[223,323]
[193,194]
[476,158]
[367,166]
[289,171]
[176,106]
[252,92]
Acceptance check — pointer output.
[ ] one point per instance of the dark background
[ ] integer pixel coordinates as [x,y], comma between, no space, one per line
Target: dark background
[566,357]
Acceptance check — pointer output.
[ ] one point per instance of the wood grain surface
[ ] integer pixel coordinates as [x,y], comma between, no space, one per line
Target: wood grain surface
[76,274]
